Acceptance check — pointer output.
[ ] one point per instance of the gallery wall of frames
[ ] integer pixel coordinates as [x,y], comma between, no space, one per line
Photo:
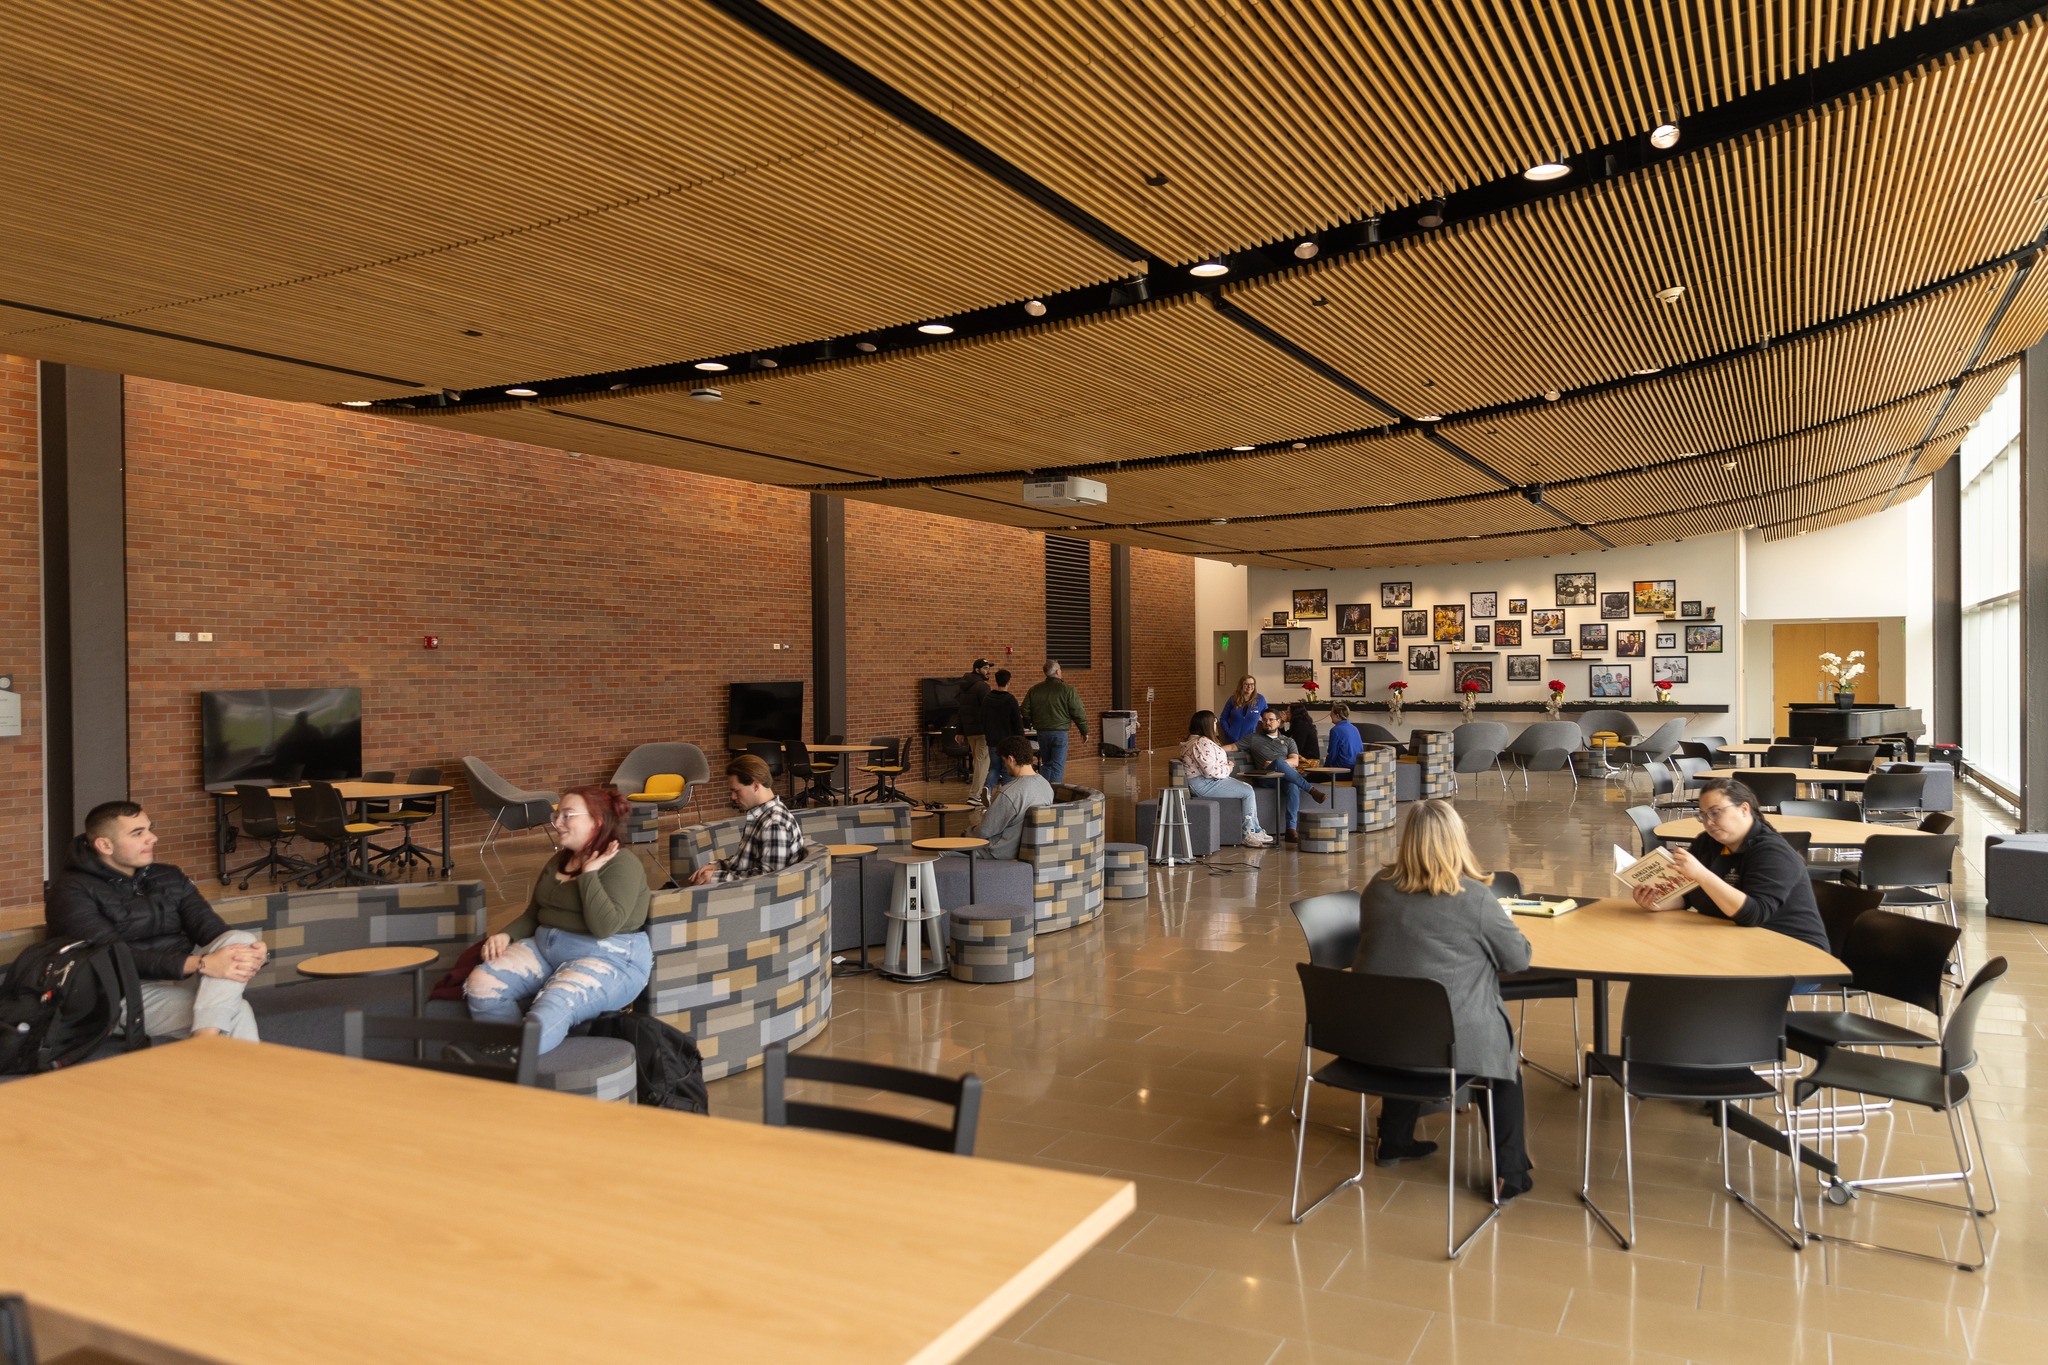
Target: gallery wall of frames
[1609,626]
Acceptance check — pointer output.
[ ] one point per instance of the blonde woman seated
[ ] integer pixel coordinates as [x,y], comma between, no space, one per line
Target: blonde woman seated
[1209,769]
[1432,914]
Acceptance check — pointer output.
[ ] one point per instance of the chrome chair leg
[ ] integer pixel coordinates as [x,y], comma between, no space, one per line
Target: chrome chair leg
[1294,1208]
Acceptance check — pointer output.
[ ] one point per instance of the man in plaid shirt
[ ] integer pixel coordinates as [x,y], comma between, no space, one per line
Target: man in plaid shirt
[770,839]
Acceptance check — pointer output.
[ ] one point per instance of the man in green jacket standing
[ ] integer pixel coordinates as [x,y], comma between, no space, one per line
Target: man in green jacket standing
[1049,709]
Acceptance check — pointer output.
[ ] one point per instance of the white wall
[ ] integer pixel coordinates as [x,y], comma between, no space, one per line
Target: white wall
[1219,605]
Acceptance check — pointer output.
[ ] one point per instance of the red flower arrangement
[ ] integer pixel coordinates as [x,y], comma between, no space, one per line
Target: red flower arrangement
[1397,686]
[1662,684]
[1557,684]
[1310,686]
[1472,685]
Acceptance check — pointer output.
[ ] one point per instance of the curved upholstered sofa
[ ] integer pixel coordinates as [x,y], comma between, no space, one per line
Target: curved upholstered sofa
[1063,843]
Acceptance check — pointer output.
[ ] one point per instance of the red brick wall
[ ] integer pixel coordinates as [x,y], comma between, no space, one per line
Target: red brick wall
[21,640]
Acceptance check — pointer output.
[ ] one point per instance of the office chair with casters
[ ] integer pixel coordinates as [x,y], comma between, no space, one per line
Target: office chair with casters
[261,819]
[411,811]
[323,818]
[817,776]
[780,1065]
[1391,1036]
[885,765]
[1522,987]
[1697,1040]
[1330,924]
[478,1048]
[1942,1087]
[1646,820]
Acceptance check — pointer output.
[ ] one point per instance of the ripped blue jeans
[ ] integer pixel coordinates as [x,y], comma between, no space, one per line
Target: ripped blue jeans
[561,979]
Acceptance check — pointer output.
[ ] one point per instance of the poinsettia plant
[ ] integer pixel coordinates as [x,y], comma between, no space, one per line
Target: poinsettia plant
[1310,687]
[1557,685]
[1663,686]
[1397,685]
[1472,685]
[1556,702]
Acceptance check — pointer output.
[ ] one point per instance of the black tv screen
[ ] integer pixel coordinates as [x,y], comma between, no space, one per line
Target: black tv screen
[764,710]
[282,735]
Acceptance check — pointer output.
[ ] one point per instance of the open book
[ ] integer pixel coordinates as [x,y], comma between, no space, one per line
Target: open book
[1654,870]
[1537,906]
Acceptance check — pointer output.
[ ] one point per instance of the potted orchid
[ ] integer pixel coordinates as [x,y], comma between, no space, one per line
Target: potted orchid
[1663,686]
[1468,696]
[1556,701]
[1841,675]
[1395,691]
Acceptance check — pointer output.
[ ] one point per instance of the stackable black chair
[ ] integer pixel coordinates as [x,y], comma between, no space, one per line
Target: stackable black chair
[1783,755]
[1646,821]
[1937,822]
[259,818]
[1391,1036]
[1916,874]
[1855,758]
[1698,1040]
[1823,810]
[1772,789]
[1329,923]
[1943,1087]
[1520,988]
[478,1048]
[1893,798]
[779,1065]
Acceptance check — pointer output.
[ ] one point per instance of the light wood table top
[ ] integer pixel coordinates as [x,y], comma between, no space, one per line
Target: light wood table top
[367,962]
[957,844]
[846,748]
[701,1236]
[1756,750]
[1838,776]
[1618,940]
[850,850]
[1824,833]
[368,791]
[950,809]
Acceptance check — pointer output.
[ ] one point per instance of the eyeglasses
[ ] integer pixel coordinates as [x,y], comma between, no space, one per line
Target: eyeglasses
[564,815]
[1710,813]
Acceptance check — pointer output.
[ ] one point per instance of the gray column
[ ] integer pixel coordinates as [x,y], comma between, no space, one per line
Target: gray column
[828,616]
[1120,627]
[85,599]
[1945,725]
[2034,590]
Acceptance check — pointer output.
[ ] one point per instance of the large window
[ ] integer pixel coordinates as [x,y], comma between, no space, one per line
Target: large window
[1991,592]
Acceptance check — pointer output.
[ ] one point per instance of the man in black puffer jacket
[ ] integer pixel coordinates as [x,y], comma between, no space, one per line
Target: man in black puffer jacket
[193,967]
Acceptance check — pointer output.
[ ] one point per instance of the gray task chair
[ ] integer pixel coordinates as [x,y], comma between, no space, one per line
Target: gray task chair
[1476,747]
[512,808]
[1545,747]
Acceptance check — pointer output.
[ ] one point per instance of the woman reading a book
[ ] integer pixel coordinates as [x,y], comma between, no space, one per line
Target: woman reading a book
[1432,914]
[1745,870]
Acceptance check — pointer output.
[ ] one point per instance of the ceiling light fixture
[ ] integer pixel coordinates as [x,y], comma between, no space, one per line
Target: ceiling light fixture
[1664,136]
[523,393]
[1551,395]
[1156,180]
[1244,447]
[1431,417]
[767,362]
[1372,230]
[935,329]
[616,387]
[1209,269]
[1219,521]
[711,365]
[1728,464]
[1649,369]
[1301,445]
[1672,294]
[355,402]
[1036,308]
[864,347]
[1547,170]
[1432,215]
[706,395]
[1306,249]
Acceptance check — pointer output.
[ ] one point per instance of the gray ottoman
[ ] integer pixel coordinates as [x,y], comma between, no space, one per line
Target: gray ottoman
[603,1068]
[2016,876]
[992,943]
[1125,876]
[1325,832]
[1204,824]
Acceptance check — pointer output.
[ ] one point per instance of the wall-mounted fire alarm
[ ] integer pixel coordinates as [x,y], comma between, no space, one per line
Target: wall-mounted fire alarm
[431,641]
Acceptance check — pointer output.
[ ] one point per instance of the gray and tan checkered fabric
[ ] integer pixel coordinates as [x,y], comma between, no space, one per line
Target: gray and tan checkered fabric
[880,823]
[692,846]
[1124,874]
[1063,843]
[303,924]
[1437,778]
[1373,776]
[740,965]
[1324,832]
[993,943]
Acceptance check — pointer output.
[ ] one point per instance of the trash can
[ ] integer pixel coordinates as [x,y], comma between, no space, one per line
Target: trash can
[1119,734]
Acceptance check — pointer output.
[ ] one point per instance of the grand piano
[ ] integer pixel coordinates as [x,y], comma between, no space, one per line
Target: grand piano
[1862,724]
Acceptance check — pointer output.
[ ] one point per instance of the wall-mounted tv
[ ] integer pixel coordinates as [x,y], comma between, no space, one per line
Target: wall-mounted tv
[764,711]
[284,735]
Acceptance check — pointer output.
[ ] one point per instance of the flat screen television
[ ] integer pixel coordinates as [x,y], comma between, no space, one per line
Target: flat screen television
[281,734]
[764,711]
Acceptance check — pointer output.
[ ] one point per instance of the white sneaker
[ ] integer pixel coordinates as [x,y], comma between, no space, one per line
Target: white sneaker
[1258,840]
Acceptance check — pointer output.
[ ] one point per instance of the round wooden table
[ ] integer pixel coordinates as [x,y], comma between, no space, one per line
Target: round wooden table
[1834,777]
[963,845]
[840,754]
[1824,833]
[855,852]
[378,962]
[942,811]
[1753,752]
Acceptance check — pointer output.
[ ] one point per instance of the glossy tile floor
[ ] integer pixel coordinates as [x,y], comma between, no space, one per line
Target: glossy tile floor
[1159,1045]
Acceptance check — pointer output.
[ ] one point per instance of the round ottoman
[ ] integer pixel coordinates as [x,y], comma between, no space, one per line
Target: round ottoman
[993,942]
[1323,832]
[604,1068]
[1125,874]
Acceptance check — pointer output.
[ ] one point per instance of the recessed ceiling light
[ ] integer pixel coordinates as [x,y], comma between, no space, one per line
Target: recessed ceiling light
[1432,215]
[1547,170]
[616,387]
[1306,249]
[1728,464]
[471,332]
[1551,396]
[1431,417]
[711,365]
[1671,294]
[706,395]
[1244,447]
[1301,445]
[864,347]
[523,393]
[355,402]
[1219,521]
[1209,270]
[935,329]
[1649,369]
[1036,308]
[1664,136]
[767,362]
[1750,527]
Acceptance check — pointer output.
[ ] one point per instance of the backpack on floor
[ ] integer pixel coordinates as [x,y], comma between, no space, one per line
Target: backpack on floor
[61,999]
[671,1071]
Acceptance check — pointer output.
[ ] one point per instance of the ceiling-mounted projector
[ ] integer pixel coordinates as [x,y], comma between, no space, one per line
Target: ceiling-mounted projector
[1065,492]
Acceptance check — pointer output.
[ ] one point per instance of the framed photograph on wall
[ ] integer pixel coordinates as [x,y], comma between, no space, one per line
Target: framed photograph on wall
[1385,640]
[1631,644]
[1562,647]
[1656,596]
[1295,672]
[1485,605]
[1472,670]
[1546,621]
[1354,618]
[1333,649]
[1592,635]
[1425,659]
[1703,639]
[1415,623]
[1311,604]
[1578,590]
[1525,668]
[1671,668]
[1609,681]
[1507,634]
[1482,635]
[1667,639]
[1447,624]
[1347,683]
[1397,594]
[1279,620]
[1691,609]
[1614,606]
[1275,644]
[1518,606]
[1363,646]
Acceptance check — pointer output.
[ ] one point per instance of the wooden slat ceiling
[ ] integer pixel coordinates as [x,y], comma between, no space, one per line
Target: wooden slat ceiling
[351,189]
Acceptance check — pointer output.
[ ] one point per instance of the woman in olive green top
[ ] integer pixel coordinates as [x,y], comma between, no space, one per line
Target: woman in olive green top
[580,949]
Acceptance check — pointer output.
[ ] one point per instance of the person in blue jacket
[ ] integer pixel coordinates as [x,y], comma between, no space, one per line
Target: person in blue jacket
[1241,713]
[1345,743]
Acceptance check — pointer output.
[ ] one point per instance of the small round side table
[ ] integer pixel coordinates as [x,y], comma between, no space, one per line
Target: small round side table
[856,852]
[378,962]
[963,845]
[942,811]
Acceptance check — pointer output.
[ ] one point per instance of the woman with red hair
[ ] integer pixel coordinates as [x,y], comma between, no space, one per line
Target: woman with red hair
[580,949]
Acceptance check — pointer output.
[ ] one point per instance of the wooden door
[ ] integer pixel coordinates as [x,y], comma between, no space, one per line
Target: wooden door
[1796,647]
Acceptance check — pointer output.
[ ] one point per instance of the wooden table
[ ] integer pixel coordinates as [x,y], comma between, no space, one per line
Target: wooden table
[842,753]
[942,811]
[1753,752]
[1824,833]
[376,962]
[350,791]
[963,845]
[371,1212]
[1834,777]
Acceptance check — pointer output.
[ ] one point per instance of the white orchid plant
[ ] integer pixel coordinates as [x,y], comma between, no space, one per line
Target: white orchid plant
[1842,673]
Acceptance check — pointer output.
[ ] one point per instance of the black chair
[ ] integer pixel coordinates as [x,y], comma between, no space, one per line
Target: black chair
[1646,821]
[1697,1040]
[1855,758]
[1375,734]
[1908,868]
[1896,956]
[1665,791]
[1939,822]
[770,753]
[323,818]
[260,818]
[1823,810]
[17,1339]
[1709,748]
[1522,987]
[411,811]
[1772,789]
[1330,924]
[817,776]
[1944,1088]
[958,754]
[779,1065]
[1392,1036]
[1893,797]
[1782,755]
[885,765]
[477,1048]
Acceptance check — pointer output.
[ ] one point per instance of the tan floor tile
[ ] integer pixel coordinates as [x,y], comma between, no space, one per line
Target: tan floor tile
[1721,1338]
[1468,1341]
[1098,1330]
[1150,1158]
[1205,1202]
[1135,1281]
[1001,1351]
[1289,1309]
[1268,1252]
[1533,1304]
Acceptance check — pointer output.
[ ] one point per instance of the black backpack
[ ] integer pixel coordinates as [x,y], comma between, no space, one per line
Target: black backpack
[63,998]
[671,1069]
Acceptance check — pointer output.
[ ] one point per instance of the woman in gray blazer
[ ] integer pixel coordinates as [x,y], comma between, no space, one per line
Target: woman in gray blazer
[1432,914]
